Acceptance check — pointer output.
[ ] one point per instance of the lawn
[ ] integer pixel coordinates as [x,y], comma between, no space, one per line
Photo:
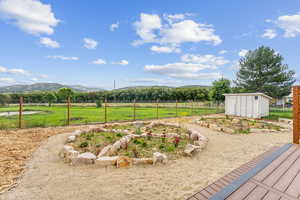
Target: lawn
[57,115]
[275,114]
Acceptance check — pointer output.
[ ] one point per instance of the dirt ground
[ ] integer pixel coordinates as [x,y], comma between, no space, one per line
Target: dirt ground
[47,177]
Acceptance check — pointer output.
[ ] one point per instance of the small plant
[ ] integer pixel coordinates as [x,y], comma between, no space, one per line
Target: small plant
[138,131]
[163,137]
[135,152]
[136,141]
[119,135]
[149,135]
[144,144]
[161,147]
[170,148]
[84,144]
[176,141]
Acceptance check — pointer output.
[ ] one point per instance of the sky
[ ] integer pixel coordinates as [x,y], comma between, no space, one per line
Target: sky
[139,42]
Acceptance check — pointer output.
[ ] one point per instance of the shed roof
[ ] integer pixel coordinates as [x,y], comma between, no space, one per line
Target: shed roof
[248,94]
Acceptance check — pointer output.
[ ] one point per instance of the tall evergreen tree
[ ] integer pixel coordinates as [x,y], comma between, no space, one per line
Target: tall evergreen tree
[262,70]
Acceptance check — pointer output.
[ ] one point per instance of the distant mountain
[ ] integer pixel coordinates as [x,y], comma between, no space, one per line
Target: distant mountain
[185,86]
[142,87]
[40,87]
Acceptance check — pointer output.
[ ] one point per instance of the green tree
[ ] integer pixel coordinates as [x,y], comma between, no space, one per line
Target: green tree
[4,99]
[219,88]
[64,93]
[50,97]
[262,70]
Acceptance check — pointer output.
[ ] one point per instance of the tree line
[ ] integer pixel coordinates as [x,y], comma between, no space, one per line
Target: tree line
[123,95]
[261,70]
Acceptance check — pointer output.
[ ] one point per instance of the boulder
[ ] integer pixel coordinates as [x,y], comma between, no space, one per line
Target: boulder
[105,151]
[142,161]
[65,150]
[84,158]
[124,161]
[194,136]
[190,149]
[159,158]
[106,161]
[71,138]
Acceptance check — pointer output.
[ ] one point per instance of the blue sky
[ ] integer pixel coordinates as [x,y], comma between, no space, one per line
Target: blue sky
[170,42]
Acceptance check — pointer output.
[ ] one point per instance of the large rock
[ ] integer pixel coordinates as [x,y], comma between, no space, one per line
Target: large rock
[71,138]
[84,158]
[159,158]
[65,150]
[142,161]
[106,161]
[124,161]
[105,151]
[190,149]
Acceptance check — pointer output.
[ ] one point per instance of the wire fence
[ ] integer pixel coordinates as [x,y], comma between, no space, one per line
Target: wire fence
[28,115]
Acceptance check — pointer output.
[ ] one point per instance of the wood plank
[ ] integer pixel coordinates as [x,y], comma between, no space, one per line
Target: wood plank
[242,192]
[238,182]
[288,177]
[282,168]
[294,188]
[265,172]
[257,193]
[199,196]
[296,114]
[271,196]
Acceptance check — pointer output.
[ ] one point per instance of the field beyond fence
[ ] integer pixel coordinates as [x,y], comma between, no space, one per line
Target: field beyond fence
[41,115]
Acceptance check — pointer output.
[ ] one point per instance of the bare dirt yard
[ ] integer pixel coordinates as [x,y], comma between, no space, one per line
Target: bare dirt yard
[47,177]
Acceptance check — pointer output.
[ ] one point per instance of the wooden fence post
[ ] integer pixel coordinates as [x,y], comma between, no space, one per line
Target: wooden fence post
[176,108]
[105,111]
[134,110]
[157,101]
[69,107]
[296,114]
[20,111]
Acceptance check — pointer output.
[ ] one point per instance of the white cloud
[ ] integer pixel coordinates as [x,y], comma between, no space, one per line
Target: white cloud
[146,26]
[150,29]
[235,66]
[48,42]
[165,49]
[243,52]
[222,52]
[63,57]
[122,62]
[290,24]
[269,33]
[14,71]
[113,27]
[210,60]
[90,43]
[31,16]
[7,80]
[99,62]
[43,75]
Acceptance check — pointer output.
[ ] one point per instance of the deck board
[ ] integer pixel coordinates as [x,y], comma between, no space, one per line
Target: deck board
[274,175]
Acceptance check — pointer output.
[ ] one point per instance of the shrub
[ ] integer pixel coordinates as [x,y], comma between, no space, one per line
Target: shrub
[98,103]
[84,144]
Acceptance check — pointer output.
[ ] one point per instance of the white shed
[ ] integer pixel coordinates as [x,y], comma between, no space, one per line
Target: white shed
[252,105]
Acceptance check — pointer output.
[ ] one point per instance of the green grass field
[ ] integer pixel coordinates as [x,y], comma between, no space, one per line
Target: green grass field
[278,113]
[57,115]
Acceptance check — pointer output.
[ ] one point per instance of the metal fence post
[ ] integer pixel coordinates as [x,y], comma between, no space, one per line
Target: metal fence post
[69,107]
[176,108]
[105,111]
[20,111]
[134,110]
[296,114]
[157,101]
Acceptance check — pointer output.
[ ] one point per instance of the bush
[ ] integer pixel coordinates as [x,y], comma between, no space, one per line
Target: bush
[98,104]
[84,144]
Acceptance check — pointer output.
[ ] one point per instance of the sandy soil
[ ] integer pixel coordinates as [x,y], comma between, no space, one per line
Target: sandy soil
[47,177]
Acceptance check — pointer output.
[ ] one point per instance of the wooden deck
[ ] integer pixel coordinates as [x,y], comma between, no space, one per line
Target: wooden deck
[274,175]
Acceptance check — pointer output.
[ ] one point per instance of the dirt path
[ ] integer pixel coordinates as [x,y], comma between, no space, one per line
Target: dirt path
[48,178]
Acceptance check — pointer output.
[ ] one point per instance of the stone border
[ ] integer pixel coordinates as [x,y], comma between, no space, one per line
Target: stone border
[106,158]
